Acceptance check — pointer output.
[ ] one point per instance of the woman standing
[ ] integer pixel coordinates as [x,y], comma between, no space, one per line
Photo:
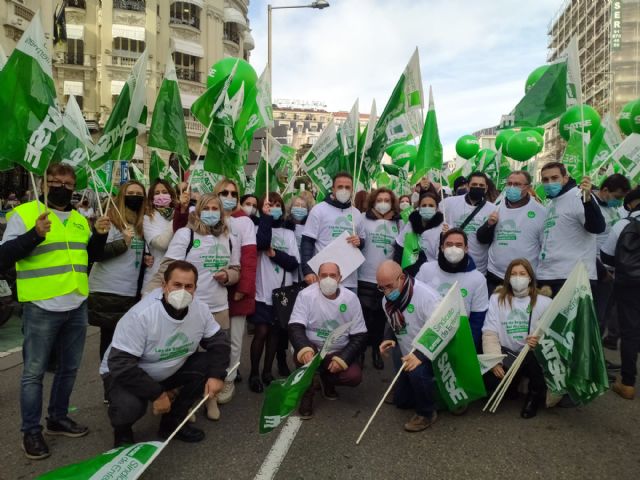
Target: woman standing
[381,227]
[298,214]
[514,312]
[249,204]
[278,261]
[158,223]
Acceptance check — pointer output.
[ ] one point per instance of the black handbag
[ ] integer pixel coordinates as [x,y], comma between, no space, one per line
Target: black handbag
[283,299]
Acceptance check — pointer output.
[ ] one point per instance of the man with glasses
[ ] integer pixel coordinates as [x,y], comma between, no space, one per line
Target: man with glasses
[51,246]
[513,230]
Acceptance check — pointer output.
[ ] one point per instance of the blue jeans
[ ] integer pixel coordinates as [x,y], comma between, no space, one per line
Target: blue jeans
[415,389]
[62,333]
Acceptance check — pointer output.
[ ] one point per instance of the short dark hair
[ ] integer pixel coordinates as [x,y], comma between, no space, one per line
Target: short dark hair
[452,231]
[180,265]
[246,196]
[524,173]
[273,197]
[60,169]
[616,182]
[429,194]
[479,174]
[560,166]
[342,175]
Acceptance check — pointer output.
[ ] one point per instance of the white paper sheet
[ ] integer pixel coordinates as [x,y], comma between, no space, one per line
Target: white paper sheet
[345,255]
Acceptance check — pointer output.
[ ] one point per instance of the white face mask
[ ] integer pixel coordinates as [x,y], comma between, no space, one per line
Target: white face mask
[520,285]
[383,207]
[415,196]
[453,254]
[179,299]
[328,286]
[404,205]
[343,195]
[249,210]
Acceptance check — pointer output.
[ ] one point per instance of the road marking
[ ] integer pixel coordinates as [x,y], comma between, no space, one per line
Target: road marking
[279,450]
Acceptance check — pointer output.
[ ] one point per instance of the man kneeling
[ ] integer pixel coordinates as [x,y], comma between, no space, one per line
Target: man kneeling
[318,310]
[153,358]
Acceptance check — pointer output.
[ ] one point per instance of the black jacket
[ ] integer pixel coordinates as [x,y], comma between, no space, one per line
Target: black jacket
[418,227]
[263,242]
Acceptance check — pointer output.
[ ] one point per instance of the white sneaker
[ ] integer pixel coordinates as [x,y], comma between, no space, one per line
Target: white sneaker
[213,412]
[226,394]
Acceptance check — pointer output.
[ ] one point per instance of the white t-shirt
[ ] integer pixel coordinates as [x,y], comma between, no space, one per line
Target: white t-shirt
[429,240]
[565,241]
[455,211]
[153,227]
[244,229]
[378,246]
[162,343]
[320,315]
[326,222]
[118,275]
[86,212]
[423,303]
[473,285]
[63,303]
[609,246]
[268,273]
[208,254]
[511,323]
[518,234]
[611,217]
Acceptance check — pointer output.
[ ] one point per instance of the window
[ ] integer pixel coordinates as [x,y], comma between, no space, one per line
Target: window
[186,66]
[232,32]
[77,4]
[127,47]
[78,99]
[183,13]
[75,52]
[24,12]
[133,5]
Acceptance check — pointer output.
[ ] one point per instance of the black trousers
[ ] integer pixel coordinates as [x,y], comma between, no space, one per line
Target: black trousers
[126,408]
[601,297]
[530,369]
[374,316]
[628,303]
[493,282]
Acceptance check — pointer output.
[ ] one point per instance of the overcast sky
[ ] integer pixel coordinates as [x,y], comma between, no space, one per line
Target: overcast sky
[475,54]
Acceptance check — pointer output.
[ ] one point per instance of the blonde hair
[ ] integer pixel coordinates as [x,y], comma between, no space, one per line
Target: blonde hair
[134,218]
[198,226]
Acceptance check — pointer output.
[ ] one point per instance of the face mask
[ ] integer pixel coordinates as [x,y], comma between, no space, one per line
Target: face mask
[229,203]
[520,285]
[299,213]
[614,203]
[343,195]
[404,205]
[383,207]
[552,189]
[133,202]
[513,194]
[249,210]
[179,299]
[476,194]
[415,196]
[59,196]
[161,200]
[393,295]
[210,217]
[427,213]
[453,254]
[328,286]
[276,213]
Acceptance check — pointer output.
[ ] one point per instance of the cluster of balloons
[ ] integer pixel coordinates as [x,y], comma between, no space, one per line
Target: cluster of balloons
[629,118]
[519,145]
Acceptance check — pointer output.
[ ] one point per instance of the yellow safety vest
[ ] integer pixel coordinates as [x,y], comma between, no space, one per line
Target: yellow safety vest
[58,265]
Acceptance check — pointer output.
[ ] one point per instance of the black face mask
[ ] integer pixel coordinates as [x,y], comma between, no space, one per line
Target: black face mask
[133,202]
[476,194]
[59,196]
[461,191]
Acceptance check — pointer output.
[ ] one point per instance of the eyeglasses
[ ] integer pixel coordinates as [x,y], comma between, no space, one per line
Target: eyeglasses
[56,184]
[388,287]
[226,193]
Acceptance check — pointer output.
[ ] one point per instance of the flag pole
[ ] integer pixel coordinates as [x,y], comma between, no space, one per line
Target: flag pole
[115,166]
[293,179]
[95,186]
[355,168]
[268,164]
[35,192]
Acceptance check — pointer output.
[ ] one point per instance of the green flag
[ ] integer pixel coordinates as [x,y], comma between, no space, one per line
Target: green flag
[367,169]
[497,169]
[104,178]
[168,131]
[31,123]
[411,248]
[430,150]
[203,181]
[627,157]
[76,146]
[348,134]
[139,176]
[5,163]
[127,119]
[278,164]
[574,155]
[258,110]
[447,341]
[464,170]
[159,169]
[601,146]
[322,161]
[570,348]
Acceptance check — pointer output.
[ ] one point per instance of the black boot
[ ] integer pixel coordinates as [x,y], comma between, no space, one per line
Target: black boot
[122,436]
[188,433]
[376,359]
[283,367]
[531,404]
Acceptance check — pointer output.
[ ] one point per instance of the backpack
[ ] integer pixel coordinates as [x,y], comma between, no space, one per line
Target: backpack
[627,256]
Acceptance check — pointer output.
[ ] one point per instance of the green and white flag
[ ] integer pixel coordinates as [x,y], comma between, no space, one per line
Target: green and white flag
[139,176]
[367,169]
[128,118]
[159,169]
[31,122]
[627,158]
[446,340]
[602,145]
[278,164]
[573,157]
[322,161]
[203,181]
[570,348]
[258,110]
[348,134]
[5,163]
[168,130]
[125,462]
[430,150]
[465,168]
[498,169]
[558,89]
[76,146]
[401,119]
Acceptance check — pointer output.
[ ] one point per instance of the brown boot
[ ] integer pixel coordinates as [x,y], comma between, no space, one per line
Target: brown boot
[305,410]
[419,423]
[625,391]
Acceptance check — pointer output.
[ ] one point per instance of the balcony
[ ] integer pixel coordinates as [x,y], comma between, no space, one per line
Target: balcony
[194,127]
[192,22]
[185,73]
[131,5]
[122,58]
[77,59]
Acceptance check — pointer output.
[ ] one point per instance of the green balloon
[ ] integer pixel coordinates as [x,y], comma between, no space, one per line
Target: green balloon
[539,130]
[571,120]
[534,76]
[503,138]
[220,70]
[524,145]
[635,118]
[624,119]
[488,155]
[404,154]
[383,179]
[467,146]
[389,151]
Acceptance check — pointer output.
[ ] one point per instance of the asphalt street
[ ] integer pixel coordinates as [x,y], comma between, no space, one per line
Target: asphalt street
[597,441]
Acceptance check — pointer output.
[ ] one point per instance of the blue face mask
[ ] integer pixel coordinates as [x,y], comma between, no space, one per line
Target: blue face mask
[393,295]
[614,203]
[229,203]
[210,217]
[552,189]
[276,213]
[513,194]
[427,213]
[299,213]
